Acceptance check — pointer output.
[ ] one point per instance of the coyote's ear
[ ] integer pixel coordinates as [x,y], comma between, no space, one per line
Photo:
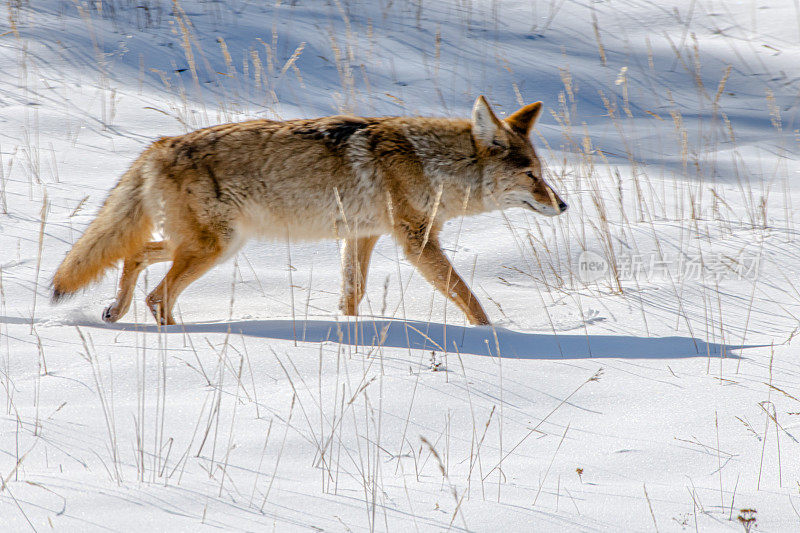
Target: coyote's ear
[523,120]
[486,128]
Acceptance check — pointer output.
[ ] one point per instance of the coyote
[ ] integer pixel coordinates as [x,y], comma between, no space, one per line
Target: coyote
[341,177]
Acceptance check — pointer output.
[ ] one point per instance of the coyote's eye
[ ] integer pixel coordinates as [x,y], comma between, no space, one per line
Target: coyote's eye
[530,175]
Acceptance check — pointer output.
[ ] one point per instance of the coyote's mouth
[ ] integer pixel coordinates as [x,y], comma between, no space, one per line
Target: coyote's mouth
[542,210]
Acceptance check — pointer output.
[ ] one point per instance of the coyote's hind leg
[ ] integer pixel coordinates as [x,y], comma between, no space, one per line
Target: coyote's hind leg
[355,263]
[152,252]
[188,264]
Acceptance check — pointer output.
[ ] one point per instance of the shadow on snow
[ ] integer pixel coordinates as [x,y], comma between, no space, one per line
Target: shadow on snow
[466,340]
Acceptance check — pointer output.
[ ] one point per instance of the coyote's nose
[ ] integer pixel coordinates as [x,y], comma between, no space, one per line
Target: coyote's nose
[562,206]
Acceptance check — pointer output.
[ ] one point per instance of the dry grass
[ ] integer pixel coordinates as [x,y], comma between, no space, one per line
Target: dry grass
[342,416]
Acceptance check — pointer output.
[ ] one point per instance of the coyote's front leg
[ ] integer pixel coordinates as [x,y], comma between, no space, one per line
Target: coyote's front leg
[428,257]
[356,253]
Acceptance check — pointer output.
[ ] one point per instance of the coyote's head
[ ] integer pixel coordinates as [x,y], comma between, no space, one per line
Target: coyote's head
[511,169]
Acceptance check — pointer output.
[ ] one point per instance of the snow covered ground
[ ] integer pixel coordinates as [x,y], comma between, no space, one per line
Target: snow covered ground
[661,395]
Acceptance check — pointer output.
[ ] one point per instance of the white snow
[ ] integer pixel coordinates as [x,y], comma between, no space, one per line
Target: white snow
[671,404]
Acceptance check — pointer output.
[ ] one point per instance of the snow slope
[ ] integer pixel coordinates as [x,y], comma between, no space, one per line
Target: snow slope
[663,395]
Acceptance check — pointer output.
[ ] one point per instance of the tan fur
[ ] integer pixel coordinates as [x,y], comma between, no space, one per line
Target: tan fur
[340,177]
[120,229]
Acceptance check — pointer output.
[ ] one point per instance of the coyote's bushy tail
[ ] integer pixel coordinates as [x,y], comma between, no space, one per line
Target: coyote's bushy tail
[120,229]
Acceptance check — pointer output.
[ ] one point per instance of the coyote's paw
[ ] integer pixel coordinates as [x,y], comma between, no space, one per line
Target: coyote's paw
[157,309]
[110,313]
[348,307]
[479,319]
